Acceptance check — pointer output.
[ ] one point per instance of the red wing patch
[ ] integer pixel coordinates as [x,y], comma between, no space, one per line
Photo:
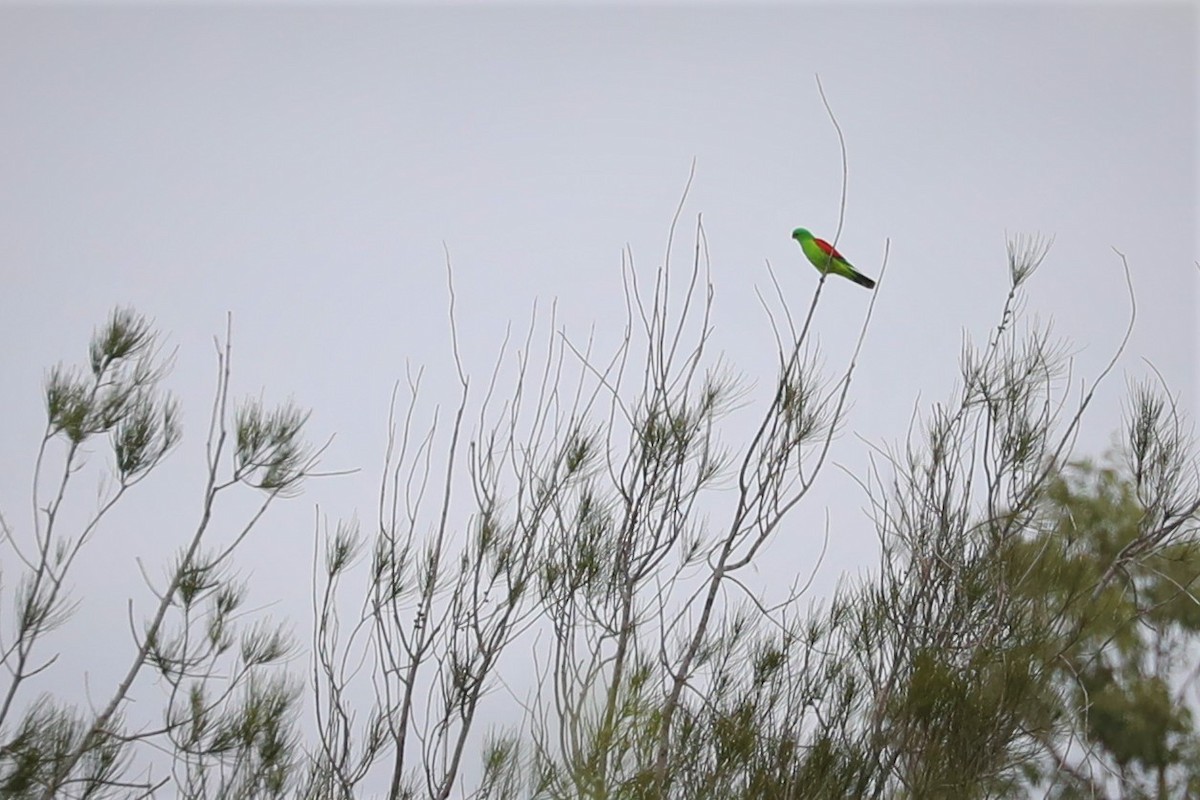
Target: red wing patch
[827,248]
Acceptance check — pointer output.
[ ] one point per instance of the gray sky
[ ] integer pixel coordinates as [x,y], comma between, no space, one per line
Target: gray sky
[301,167]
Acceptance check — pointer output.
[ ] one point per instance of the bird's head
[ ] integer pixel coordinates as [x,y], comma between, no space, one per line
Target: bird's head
[800,234]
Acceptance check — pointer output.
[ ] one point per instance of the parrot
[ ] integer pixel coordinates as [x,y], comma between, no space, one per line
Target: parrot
[827,259]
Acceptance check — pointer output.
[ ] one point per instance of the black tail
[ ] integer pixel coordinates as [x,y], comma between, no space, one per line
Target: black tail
[862,280]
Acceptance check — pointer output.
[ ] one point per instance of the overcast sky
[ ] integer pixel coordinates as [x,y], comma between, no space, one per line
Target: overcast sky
[303,168]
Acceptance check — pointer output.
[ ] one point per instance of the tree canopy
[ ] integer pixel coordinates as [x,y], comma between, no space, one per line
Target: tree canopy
[1029,629]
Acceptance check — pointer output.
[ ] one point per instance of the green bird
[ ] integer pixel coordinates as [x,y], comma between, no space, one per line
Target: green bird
[826,258]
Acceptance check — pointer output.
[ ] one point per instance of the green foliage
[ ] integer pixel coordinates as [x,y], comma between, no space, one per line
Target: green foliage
[1129,628]
[119,396]
[270,452]
[1029,631]
[228,721]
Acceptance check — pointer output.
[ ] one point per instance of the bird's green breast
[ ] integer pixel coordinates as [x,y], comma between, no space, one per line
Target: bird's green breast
[818,257]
